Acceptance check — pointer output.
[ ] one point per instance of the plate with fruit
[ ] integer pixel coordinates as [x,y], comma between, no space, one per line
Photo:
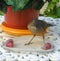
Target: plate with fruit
[18,46]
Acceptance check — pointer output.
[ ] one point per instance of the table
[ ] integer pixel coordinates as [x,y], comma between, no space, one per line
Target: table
[6,55]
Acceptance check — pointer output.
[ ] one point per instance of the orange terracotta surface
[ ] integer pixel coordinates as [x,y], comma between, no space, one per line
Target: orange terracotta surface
[15,32]
[19,19]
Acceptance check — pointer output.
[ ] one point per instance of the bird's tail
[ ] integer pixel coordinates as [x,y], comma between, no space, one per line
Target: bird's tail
[51,24]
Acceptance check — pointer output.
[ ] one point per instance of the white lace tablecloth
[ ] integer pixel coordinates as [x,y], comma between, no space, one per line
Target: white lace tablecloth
[6,55]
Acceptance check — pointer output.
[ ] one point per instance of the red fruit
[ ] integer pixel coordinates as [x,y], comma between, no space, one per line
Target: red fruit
[47,46]
[9,43]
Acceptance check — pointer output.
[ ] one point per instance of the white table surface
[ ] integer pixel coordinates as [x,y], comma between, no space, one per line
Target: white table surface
[6,55]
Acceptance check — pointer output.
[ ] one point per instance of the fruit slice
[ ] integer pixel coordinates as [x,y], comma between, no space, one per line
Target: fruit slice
[9,43]
[47,46]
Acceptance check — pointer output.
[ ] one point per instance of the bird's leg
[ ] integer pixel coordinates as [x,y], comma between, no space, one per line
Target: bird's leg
[30,40]
[43,37]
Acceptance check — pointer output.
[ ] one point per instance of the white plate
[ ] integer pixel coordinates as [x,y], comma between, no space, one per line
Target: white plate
[28,50]
[19,45]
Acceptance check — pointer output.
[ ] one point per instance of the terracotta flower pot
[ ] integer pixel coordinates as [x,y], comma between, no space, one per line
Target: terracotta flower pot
[19,19]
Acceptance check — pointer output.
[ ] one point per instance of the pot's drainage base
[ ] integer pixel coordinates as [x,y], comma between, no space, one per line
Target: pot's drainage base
[15,32]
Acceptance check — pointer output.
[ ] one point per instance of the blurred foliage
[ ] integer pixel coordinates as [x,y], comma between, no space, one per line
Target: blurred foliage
[18,5]
[53,9]
[1,13]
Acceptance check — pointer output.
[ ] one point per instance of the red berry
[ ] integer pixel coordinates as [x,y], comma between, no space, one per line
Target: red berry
[47,46]
[9,43]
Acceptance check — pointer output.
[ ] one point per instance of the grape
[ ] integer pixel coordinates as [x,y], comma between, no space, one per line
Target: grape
[47,46]
[9,43]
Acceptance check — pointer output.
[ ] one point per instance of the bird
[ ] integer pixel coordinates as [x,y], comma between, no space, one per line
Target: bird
[38,27]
